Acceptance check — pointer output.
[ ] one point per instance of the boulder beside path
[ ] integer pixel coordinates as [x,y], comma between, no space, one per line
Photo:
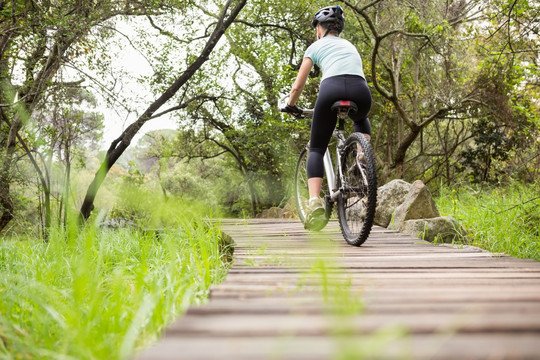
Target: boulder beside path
[439,229]
[409,208]
[389,197]
[417,205]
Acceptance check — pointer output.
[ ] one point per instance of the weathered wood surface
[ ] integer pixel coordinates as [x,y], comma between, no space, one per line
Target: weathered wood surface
[297,295]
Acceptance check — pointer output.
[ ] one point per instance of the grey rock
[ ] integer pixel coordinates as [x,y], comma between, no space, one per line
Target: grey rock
[118,223]
[277,213]
[443,229]
[271,213]
[418,205]
[389,197]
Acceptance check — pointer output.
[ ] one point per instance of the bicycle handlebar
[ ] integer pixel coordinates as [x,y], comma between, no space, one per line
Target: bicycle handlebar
[306,113]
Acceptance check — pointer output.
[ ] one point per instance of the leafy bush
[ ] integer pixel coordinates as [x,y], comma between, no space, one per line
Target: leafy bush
[141,202]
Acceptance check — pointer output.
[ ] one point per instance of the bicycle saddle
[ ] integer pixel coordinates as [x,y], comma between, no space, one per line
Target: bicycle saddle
[346,106]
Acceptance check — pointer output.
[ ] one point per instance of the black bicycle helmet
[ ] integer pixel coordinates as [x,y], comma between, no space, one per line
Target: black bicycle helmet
[331,17]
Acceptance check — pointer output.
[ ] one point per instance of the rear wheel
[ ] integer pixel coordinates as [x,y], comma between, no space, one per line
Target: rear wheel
[301,192]
[358,198]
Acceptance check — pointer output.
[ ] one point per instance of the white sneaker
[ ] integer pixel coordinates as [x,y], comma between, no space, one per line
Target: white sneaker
[316,215]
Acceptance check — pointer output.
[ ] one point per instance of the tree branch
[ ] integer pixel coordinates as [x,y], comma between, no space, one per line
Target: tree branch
[183,105]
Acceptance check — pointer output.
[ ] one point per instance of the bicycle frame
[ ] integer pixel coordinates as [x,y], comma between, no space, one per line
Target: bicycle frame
[331,177]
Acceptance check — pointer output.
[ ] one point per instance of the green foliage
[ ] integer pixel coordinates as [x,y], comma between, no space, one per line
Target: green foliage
[27,207]
[143,204]
[505,133]
[491,148]
[475,58]
[102,294]
[498,219]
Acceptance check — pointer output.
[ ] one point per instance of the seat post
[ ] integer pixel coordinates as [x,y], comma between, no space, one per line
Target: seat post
[341,124]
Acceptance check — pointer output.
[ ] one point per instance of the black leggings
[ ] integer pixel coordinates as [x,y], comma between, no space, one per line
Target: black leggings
[332,89]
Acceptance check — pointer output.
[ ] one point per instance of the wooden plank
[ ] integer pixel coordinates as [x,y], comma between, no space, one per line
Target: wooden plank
[357,282]
[386,346]
[309,305]
[391,272]
[393,295]
[418,300]
[240,324]
[240,274]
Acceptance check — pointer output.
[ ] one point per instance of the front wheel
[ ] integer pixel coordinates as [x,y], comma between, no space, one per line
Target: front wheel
[358,198]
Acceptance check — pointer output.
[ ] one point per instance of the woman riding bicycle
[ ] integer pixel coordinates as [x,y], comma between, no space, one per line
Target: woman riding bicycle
[343,79]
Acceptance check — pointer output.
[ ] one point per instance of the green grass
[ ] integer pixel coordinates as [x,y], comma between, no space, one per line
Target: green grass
[102,294]
[500,219]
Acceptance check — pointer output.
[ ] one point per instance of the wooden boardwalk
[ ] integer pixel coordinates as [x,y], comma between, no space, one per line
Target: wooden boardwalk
[295,295]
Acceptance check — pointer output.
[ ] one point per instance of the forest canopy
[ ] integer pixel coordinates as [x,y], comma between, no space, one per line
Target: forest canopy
[455,84]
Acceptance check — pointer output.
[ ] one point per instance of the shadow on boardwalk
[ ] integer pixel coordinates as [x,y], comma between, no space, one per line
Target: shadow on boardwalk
[295,295]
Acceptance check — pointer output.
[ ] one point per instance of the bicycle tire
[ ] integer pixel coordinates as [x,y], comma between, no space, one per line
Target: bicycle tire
[357,202]
[301,192]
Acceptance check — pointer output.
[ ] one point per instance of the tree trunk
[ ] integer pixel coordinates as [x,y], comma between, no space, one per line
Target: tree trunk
[253,195]
[6,202]
[67,183]
[47,205]
[399,159]
[163,190]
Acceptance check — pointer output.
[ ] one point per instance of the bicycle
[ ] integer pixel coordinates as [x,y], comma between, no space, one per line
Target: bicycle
[353,187]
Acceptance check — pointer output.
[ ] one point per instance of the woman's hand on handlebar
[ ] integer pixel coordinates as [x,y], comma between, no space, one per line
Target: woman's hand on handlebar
[293,110]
